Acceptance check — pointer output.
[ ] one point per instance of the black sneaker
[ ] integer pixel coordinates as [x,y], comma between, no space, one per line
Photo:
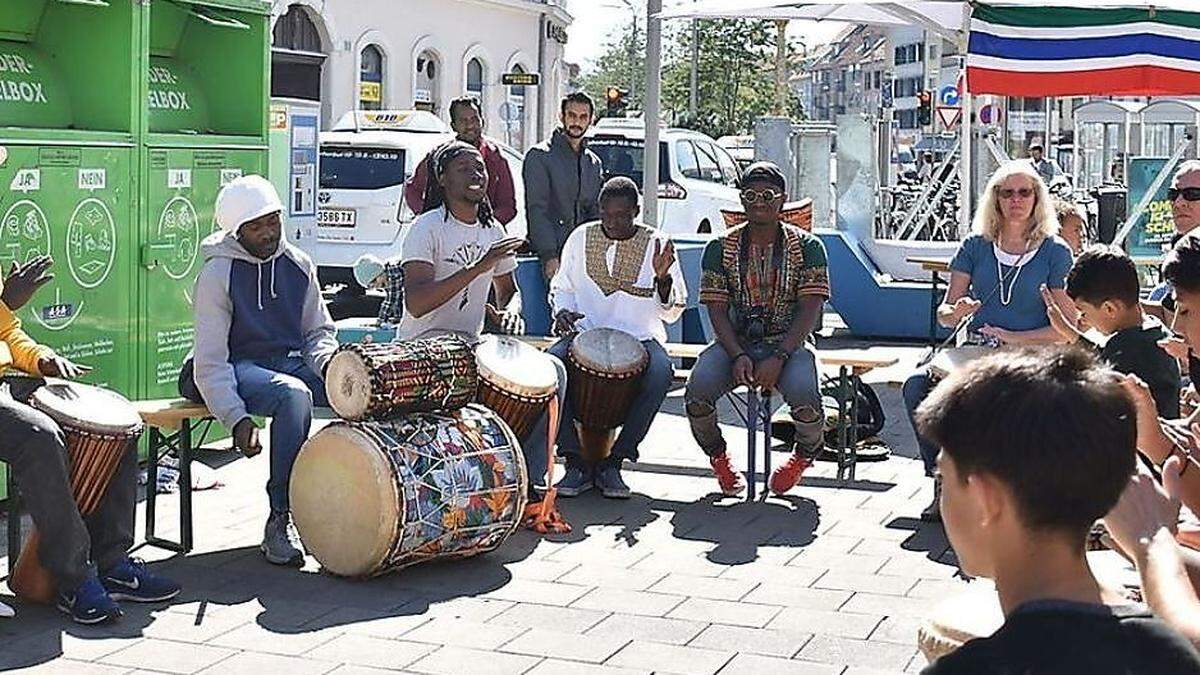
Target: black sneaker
[576,481]
[610,482]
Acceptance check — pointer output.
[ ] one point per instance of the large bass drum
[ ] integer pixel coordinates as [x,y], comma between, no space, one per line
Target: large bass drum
[372,497]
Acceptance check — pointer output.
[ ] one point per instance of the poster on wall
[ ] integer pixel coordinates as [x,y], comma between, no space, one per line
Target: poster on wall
[1152,233]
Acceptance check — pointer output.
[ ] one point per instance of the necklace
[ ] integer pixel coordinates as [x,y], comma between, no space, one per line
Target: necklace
[1017,265]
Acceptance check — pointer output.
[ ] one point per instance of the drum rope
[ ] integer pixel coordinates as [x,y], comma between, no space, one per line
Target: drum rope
[544,517]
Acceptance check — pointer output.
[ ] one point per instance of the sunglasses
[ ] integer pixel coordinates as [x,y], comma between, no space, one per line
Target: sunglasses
[1009,193]
[766,195]
[1191,194]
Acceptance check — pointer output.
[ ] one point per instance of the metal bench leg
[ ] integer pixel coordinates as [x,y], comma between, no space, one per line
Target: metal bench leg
[766,432]
[156,443]
[844,391]
[160,443]
[852,430]
[752,411]
[185,485]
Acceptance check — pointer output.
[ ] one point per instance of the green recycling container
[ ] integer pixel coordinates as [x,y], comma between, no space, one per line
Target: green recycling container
[69,120]
[205,82]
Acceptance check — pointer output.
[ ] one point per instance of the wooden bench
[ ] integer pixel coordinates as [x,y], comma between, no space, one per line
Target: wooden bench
[170,422]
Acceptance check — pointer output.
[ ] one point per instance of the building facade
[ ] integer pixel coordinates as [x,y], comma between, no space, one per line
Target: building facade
[402,54]
[847,75]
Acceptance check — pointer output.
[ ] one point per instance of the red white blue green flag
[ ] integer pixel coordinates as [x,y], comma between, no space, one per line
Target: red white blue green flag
[1056,51]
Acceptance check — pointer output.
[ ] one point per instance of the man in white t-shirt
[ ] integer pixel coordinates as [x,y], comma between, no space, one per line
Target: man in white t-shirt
[616,273]
[453,254]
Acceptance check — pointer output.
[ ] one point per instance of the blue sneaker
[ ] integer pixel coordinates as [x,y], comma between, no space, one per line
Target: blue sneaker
[89,603]
[577,480]
[130,580]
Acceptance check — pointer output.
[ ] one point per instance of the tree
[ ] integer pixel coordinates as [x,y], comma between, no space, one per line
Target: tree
[735,74]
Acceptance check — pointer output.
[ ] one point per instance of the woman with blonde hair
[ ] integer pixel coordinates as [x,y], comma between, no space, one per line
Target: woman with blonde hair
[995,279]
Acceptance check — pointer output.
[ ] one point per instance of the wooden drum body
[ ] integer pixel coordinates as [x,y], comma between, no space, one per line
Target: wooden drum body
[604,369]
[376,381]
[99,426]
[372,497]
[516,380]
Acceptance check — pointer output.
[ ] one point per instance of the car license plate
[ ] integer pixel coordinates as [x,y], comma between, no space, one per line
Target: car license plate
[336,217]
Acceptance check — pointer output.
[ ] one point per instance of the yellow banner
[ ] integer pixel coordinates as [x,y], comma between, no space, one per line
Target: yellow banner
[370,92]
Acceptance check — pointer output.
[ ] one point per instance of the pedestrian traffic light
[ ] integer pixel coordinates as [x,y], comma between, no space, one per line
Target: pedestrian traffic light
[617,99]
[925,108]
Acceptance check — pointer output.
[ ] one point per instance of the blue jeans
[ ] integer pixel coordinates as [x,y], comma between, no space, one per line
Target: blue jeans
[285,390]
[916,388]
[655,383]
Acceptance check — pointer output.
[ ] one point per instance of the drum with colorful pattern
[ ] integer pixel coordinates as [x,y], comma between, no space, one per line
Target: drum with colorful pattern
[377,381]
[371,497]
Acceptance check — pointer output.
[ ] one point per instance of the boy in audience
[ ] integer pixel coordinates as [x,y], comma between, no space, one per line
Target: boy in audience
[1036,445]
[1103,282]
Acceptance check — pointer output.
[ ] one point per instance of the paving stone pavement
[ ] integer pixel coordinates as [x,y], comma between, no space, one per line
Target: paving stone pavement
[826,579]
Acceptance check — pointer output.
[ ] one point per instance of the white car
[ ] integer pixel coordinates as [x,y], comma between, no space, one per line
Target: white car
[364,165]
[741,148]
[697,178]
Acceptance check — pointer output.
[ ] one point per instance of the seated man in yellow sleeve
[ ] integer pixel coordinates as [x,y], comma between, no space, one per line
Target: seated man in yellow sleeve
[88,559]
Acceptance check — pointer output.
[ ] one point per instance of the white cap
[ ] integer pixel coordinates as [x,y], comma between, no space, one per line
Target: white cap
[366,269]
[244,199]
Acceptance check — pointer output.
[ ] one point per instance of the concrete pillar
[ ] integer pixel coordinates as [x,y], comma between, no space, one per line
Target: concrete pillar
[771,136]
[811,147]
[857,179]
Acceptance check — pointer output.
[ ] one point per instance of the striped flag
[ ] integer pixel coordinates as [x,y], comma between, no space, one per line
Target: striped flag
[1055,51]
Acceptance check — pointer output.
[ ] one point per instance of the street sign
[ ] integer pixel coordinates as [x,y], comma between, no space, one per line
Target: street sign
[948,96]
[949,116]
[519,79]
[989,114]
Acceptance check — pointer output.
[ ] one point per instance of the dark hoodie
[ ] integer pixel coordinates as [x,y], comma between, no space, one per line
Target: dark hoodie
[252,309]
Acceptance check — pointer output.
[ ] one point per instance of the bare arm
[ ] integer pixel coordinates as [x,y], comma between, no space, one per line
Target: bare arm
[1166,586]
[956,304]
[422,294]
[718,314]
[803,322]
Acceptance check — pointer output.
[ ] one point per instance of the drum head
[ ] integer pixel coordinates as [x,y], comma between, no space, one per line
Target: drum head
[516,367]
[972,614]
[344,500]
[348,384]
[950,360]
[87,407]
[608,350]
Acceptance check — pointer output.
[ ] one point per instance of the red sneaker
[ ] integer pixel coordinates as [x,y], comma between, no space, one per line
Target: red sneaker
[730,480]
[786,476]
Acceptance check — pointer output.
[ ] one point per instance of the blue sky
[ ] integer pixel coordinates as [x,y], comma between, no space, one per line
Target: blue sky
[595,19]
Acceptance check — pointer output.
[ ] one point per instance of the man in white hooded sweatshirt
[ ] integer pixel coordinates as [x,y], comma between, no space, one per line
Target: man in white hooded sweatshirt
[263,339]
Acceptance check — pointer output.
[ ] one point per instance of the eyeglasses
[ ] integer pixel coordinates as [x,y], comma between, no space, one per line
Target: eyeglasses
[1009,193]
[766,195]
[1191,194]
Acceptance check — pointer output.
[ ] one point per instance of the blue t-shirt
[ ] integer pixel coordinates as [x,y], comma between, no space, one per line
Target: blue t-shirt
[1025,310]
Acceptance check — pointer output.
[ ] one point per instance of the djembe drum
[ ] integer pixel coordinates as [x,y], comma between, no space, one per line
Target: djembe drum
[972,614]
[516,380]
[99,426]
[604,371]
[372,497]
[376,381]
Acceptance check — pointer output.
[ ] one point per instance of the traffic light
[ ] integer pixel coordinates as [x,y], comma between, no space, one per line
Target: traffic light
[925,108]
[617,100]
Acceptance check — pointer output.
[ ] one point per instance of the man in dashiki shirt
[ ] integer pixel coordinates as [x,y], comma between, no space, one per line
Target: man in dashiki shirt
[764,284]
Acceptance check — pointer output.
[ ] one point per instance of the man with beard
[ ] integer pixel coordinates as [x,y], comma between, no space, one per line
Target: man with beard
[263,340]
[466,118]
[562,182]
[764,284]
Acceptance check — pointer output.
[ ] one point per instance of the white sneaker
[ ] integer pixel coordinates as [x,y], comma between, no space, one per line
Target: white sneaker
[6,611]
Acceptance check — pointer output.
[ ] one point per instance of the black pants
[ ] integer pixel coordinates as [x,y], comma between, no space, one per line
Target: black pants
[35,450]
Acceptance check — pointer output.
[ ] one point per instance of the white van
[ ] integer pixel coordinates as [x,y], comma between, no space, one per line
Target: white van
[696,177]
[366,159]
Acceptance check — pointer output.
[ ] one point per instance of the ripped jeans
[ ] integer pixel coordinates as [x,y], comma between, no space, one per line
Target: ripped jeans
[712,378]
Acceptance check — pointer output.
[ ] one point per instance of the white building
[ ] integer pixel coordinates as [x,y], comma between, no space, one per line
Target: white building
[397,54]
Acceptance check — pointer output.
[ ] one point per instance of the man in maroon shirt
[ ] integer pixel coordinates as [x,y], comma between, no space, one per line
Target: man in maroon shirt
[466,118]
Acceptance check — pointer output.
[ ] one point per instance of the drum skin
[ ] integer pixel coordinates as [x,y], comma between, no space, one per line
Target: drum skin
[955,358]
[372,497]
[972,614]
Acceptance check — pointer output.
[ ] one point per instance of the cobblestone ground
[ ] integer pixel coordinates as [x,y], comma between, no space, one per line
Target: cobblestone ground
[829,578]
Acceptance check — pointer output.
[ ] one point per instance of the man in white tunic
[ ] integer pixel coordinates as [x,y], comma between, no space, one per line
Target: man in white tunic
[616,273]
